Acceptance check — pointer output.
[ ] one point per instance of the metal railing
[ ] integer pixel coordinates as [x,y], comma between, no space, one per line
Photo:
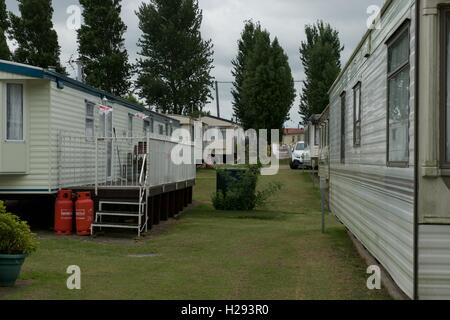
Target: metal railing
[111,162]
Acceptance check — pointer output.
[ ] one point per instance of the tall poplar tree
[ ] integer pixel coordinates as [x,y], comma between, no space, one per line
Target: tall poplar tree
[36,39]
[245,47]
[320,55]
[5,53]
[101,47]
[174,71]
[266,91]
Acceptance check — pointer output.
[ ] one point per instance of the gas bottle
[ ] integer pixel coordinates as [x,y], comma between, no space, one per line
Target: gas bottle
[85,213]
[64,213]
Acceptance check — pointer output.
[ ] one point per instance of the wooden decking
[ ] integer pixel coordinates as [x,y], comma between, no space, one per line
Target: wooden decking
[165,201]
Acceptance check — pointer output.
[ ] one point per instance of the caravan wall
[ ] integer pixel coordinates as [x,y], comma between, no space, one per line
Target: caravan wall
[372,189]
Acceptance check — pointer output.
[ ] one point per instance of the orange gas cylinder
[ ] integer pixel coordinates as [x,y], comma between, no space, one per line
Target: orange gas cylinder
[85,213]
[64,212]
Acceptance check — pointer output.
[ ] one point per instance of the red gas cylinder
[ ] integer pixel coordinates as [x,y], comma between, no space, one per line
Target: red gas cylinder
[64,213]
[85,213]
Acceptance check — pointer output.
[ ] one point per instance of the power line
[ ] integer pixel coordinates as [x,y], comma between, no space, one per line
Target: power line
[216,89]
[231,82]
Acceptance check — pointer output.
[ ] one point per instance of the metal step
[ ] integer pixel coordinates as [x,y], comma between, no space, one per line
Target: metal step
[115,225]
[122,202]
[119,214]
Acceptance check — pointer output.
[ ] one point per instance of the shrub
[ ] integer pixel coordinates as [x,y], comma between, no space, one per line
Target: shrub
[15,235]
[241,194]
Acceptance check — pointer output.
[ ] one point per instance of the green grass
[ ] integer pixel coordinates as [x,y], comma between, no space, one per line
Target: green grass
[274,253]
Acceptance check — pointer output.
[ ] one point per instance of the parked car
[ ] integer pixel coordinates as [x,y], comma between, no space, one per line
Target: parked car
[299,153]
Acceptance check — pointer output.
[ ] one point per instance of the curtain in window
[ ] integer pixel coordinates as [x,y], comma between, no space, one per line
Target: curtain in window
[89,128]
[399,52]
[90,120]
[130,125]
[14,112]
[102,121]
[399,117]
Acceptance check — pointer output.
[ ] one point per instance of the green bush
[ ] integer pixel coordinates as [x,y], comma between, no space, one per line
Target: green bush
[241,194]
[15,235]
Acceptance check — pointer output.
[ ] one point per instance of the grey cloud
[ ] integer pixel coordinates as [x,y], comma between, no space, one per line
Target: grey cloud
[223,21]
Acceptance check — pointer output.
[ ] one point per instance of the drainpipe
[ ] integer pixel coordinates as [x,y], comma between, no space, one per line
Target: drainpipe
[416,154]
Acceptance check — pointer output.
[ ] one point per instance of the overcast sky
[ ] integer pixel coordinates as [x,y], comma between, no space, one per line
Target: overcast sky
[223,21]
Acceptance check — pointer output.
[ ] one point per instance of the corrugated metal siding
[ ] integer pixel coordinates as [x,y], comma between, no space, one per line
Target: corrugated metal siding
[375,202]
[68,117]
[37,133]
[434,262]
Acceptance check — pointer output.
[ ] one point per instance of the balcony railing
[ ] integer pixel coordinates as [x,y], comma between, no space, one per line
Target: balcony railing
[122,162]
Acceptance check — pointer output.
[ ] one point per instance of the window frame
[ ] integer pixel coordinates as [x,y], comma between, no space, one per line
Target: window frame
[403,29]
[91,118]
[316,135]
[24,131]
[444,13]
[343,136]
[130,125]
[357,143]
[147,126]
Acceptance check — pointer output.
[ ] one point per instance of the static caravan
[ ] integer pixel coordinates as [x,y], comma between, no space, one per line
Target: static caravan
[216,133]
[193,130]
[58,133]
[324,146]
[312,140]
[390,145]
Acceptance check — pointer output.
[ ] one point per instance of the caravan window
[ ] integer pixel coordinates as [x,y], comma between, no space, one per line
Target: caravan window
[90,107]
[316,135]
[14,112]
[102,125]
[445,123]
[343,112]
[148,126]
[398,99]
[130,125]
[357,115]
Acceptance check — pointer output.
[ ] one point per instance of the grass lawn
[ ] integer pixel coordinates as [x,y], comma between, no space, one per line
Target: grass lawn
[274,253]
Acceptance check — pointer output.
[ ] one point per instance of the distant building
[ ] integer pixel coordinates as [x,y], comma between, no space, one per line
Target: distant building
[218,127]
[194,130]
[292,136]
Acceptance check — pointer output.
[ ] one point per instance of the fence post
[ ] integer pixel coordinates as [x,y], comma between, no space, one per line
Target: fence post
[96,166]
[59,158]
[147,182]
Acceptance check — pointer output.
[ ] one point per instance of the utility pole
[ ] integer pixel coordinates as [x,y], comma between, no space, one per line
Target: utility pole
[217,99]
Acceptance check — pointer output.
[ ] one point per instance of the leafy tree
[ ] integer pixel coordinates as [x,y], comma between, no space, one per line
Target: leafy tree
[267,91]
[320,55]
[174,71]
[245,45]
[5,53]
[36,39]
[101,46]
[132,98]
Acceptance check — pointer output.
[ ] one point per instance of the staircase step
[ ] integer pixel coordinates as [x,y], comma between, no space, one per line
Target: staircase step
[119,214]
[121,202]
[115,225]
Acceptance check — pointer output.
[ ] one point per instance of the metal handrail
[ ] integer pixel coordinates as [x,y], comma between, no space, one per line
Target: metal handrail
[144,164]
